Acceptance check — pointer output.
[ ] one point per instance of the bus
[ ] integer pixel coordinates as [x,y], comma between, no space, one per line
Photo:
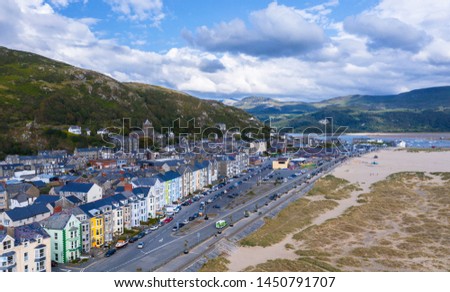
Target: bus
[221,224]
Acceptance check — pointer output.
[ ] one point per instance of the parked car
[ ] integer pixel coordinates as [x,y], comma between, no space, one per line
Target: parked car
[191,218]
[133,239]
[154,227]
[110,252]
[140,245]
[216,207]
[140,235]
[147,231]
[185,221]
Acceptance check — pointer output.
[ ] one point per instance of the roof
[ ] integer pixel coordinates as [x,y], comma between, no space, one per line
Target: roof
[18,188]
[39,184]
[22,213]
[168,176]
[30,232]
[21,197]
[46,199]
[141,190]
[120,189]
[73,199]
[74,187]
[88,149]
[57,221]
[97,205]
[146,181]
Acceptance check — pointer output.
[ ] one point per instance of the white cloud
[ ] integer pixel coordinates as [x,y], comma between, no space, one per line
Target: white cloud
[341,65]
[139,10]
[277,30]
[387,32]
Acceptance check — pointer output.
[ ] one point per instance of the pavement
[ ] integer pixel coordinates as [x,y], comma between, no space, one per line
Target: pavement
[163,245]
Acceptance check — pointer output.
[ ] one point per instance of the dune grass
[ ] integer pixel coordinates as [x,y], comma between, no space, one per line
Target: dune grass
[218,264]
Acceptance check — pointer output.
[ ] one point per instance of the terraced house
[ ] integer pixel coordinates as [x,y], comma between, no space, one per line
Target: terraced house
[66,237]
[25,249]
[106,219]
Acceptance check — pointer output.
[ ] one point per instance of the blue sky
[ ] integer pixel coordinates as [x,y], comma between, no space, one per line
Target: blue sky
[297,50]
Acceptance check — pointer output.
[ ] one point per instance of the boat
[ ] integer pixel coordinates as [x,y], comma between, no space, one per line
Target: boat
[121,243]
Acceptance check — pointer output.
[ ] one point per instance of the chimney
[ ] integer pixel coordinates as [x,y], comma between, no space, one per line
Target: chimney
[128,187]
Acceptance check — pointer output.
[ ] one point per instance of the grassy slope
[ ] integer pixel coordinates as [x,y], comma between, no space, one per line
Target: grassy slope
[56,95]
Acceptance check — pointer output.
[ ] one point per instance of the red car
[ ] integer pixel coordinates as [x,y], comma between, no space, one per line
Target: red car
[168,219]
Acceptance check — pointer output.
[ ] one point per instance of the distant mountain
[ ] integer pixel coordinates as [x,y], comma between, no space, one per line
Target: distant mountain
[40,98]
[425,109]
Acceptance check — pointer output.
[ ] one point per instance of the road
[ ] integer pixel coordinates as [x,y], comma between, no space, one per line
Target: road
[163,244]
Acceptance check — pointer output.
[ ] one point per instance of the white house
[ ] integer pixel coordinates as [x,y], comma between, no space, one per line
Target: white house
[86,192]
[76,130]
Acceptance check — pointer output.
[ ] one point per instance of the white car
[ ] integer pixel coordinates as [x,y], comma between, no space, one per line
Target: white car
[140,245]
[154,227]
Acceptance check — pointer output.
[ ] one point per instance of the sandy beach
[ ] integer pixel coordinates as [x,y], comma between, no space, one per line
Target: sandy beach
[363,171]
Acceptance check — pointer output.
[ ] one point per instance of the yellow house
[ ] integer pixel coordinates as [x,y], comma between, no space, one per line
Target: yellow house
[281,163]
[97,231]
[96,222]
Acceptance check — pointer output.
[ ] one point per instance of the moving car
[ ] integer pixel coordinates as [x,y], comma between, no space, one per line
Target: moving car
[140,245]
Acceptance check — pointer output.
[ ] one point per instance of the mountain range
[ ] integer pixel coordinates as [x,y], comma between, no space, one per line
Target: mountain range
[421,110]
[40,98]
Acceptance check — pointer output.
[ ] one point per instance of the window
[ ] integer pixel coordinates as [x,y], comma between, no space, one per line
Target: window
[56,257]
[26,268]
[6,244]
[40,266]
[56,236]
[56,246]
[39,253]
[25,256]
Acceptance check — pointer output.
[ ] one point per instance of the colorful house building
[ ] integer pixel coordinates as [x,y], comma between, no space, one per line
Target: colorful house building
[66,240]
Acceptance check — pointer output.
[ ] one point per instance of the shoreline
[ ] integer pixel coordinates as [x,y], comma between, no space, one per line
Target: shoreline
[358,170]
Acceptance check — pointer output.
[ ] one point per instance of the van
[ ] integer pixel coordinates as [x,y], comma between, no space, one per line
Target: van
[221,224]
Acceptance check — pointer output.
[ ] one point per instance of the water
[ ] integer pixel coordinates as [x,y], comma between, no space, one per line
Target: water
[413,140]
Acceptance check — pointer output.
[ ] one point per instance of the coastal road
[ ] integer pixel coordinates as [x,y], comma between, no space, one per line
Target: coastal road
[163,244]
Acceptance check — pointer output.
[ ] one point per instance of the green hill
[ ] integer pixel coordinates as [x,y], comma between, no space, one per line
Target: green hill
[419,110]
[40,98]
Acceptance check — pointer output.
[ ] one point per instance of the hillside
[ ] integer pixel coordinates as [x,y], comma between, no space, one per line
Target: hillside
[54,95]
[418,110]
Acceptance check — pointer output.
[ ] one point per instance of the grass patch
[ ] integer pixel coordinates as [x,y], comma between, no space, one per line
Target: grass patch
[333,188]
[349,262]
[297,215]
[218,264]
[285,265]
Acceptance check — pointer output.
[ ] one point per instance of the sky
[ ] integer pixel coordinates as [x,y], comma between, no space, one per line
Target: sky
[287,49]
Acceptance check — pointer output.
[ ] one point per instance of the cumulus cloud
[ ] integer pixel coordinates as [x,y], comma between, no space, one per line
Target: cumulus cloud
[211,66]
[277,30]
[340,65]
[139,10]
[387,32]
